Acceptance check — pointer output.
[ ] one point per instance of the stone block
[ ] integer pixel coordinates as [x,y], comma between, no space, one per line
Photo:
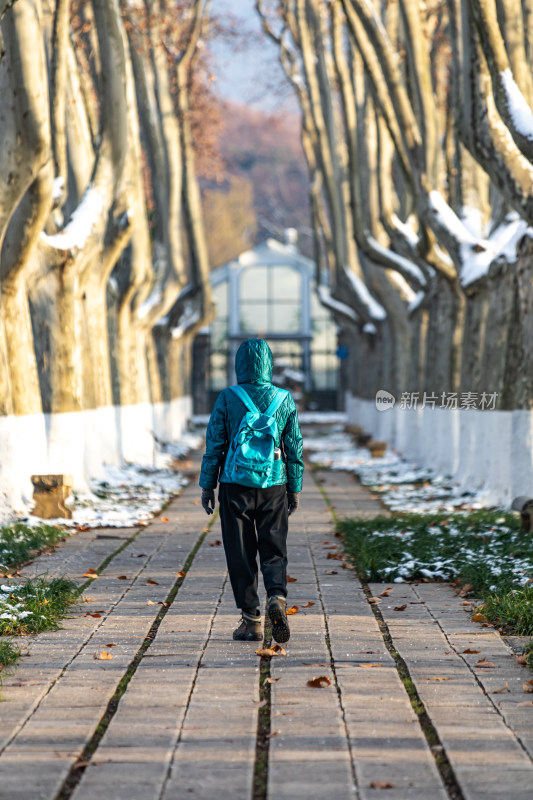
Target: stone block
[49,495]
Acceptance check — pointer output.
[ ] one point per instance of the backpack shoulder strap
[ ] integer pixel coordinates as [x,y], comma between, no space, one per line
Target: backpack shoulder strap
[276,402]
[243,395]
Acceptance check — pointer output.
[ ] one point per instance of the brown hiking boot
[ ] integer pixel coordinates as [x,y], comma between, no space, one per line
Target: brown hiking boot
[278,618]
[249,630]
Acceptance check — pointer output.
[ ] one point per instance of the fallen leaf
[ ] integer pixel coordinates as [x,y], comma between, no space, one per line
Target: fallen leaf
[91,573]
[502,690]
[521,659]
[374,600]
[465,589]
[469,651]
[161,603]
[479,618]
[84,764]
[181,574]
[400,608]
[381,785]
[369,666]
[292,610]
[151,603]
[525,703]
[268,652]
[439,679]
[290,579]
[150,582]
[104,656]
[111,644]
[271,735]
[320,682]
[331,572]
[196,502]
[272,680]
[88,600]
[337,556]
[387,592]
[94,614]
[484,664]
[122,578]
[216,543]
[138,555]
[164,519]
[528,687]
[466,603]
[308,604]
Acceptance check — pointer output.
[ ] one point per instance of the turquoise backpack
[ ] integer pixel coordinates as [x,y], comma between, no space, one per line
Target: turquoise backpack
[250,460]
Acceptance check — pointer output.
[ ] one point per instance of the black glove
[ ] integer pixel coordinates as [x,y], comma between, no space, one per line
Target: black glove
[293,499]
[208,500]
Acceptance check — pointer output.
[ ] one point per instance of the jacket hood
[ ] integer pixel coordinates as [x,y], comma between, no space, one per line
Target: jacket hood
[253,362]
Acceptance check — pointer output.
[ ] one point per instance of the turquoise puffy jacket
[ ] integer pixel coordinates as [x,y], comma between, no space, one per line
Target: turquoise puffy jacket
[253,367]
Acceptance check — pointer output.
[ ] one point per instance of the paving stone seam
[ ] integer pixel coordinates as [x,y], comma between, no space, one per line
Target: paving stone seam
[448,776]
[191,692]
[332,663]
[264,718]
[85,643]
[476,678]
[75,773]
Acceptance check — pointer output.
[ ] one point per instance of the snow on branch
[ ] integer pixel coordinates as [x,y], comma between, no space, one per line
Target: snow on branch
[519,110]
[404,266]
[447,219]
[476,254]
[80,226]
[153,299]
[190,317]
[375,310]
[404,288]
[406,229]
[502,243]
[324,295]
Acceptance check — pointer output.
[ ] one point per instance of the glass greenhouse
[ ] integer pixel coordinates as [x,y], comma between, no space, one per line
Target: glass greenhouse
[268,292]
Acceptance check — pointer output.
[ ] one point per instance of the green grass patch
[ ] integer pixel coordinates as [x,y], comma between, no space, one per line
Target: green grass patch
[511,611]
[485,550]
[529,654]
[36,605]
[9,654]
[19,543]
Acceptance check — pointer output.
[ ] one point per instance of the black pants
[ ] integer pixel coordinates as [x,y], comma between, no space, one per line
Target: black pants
[254,521]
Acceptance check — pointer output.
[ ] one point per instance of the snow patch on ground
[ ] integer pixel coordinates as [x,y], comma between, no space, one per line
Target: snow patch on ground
[400,484]
[129,495]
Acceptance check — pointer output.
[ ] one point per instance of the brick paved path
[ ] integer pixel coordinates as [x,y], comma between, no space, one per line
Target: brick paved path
[186,723]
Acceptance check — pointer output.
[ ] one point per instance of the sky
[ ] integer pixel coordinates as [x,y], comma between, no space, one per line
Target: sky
[251,74]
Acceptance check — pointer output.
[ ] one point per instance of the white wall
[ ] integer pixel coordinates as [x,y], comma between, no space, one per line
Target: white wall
[81,444]
[488,450]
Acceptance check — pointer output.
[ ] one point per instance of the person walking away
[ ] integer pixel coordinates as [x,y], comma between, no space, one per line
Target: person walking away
[254,451]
